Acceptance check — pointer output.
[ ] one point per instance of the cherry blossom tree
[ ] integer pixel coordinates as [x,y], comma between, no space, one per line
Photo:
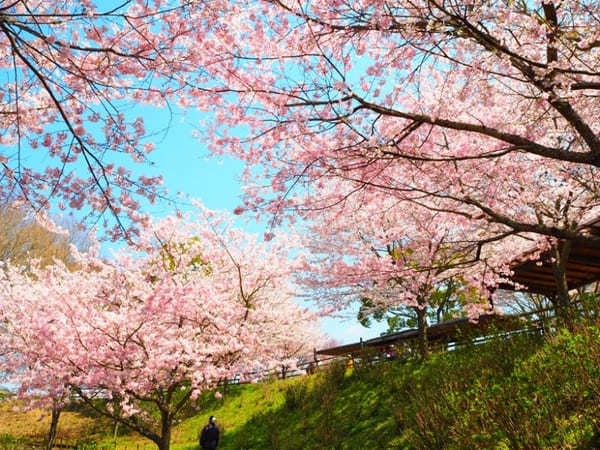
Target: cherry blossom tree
[388,259]
[459,92]
[445,302]
[483,111]
[28,238]
[142,336]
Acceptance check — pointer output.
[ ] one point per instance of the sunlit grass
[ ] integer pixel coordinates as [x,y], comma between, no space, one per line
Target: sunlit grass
[34,424]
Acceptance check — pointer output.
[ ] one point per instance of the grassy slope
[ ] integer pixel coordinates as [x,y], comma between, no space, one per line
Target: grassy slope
[522,393]
[33,425]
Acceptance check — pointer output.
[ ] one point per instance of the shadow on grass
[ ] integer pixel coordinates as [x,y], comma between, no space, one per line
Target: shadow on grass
[334,413]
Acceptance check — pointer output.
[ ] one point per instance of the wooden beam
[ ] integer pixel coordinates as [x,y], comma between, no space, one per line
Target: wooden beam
[584,261]
[585,268]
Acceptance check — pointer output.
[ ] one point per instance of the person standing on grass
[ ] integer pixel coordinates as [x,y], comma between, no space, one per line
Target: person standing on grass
[209,438]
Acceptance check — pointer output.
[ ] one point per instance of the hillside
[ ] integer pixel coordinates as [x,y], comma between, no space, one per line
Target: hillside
[528,392]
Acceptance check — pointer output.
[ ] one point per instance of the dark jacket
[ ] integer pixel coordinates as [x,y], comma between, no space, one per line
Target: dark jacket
[209,439]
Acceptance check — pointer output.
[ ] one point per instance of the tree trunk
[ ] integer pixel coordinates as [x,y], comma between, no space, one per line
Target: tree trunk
[562,302]
[165,436]
[422,329]
[53,426]
[115,430]
[164,443]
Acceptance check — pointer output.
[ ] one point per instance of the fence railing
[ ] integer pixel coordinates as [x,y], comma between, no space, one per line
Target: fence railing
[374,355]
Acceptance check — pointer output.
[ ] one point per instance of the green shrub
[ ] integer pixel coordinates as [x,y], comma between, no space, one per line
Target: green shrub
[555,392]
[438,403]
[295,394]
[335,373]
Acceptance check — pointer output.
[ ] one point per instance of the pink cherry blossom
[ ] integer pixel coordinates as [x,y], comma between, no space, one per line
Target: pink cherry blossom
[197,302]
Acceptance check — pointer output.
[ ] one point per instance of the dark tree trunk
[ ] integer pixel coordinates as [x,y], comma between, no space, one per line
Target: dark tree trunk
[53,426]
[164,443]
[422,329]
[165,436]
[565,311]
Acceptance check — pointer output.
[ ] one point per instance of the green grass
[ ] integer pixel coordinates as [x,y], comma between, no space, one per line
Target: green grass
[240,404]
[528,392]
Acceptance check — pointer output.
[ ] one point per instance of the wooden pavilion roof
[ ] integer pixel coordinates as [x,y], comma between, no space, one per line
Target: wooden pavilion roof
[537,276]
